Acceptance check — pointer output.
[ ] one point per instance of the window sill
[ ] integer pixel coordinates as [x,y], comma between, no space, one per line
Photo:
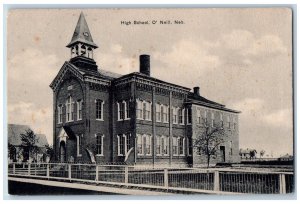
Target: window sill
[79,119]
[80,155]
[99,155]
[162,155]
[99,119]
[70,121]
[123,119]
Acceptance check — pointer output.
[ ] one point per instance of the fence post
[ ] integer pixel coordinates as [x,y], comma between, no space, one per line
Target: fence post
[48,171]
[28,168]
[69,171]
[216,181]
[97,172]
[14,168]
[282,184]
[126,174]
[166,178]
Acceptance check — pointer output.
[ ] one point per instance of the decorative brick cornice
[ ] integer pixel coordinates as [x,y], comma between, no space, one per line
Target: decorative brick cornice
[147,84]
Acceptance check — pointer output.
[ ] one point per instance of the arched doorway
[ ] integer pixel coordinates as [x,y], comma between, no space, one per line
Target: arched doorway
[62,150]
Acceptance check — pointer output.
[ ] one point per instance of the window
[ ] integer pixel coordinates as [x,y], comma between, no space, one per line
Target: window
[79,143]
[158,112]
[175,115]
[69,109]
[121,110]
[127,110]
[189,116]
[148,144]
[198,116]
[158,145]
[212,119]
[205,118]
[181,145]
[230,147]
[128,136]
[123,143]
[181,116]
[70,87]
[139,109]
[59,113]
[165,113]
[190,146]
[165,145]
[79,110]
[175,146]
[234,123]
[228,122]
[221,120]
[146,110]
[140,149]
[99,109]
[99,144]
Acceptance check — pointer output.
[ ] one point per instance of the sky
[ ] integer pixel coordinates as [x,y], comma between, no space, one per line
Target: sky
[239,57]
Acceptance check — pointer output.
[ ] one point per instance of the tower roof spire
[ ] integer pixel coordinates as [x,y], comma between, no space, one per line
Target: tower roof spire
[82,33]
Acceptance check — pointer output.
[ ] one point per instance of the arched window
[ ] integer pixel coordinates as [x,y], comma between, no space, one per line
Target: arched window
[69,109]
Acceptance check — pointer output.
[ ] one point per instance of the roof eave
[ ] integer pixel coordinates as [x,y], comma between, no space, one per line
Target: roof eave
[212,106]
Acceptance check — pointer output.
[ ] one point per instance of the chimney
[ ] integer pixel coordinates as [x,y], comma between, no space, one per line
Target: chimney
[145,64]
[197,91]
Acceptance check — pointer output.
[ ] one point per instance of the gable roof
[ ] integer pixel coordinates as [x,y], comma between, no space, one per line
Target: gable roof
[14,135]
[82,33]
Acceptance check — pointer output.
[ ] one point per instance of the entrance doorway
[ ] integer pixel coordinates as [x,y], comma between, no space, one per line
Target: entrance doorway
[62,150]
[222,151]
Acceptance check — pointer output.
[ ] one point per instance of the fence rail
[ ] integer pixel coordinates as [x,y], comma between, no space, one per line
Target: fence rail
[214,180]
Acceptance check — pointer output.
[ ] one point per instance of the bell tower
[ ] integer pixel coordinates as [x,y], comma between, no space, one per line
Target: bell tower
[82,46]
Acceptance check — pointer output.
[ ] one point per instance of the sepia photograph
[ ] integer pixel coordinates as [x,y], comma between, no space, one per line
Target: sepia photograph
[150,101]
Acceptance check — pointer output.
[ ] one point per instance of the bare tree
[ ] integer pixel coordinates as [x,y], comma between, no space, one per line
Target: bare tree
[29,141]
[209,139]
[252,154]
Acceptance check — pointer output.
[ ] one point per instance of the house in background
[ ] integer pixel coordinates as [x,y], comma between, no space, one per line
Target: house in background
[248,153]
[100,116]
[15,142]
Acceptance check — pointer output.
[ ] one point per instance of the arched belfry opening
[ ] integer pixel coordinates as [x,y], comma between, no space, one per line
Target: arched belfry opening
[82,46]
